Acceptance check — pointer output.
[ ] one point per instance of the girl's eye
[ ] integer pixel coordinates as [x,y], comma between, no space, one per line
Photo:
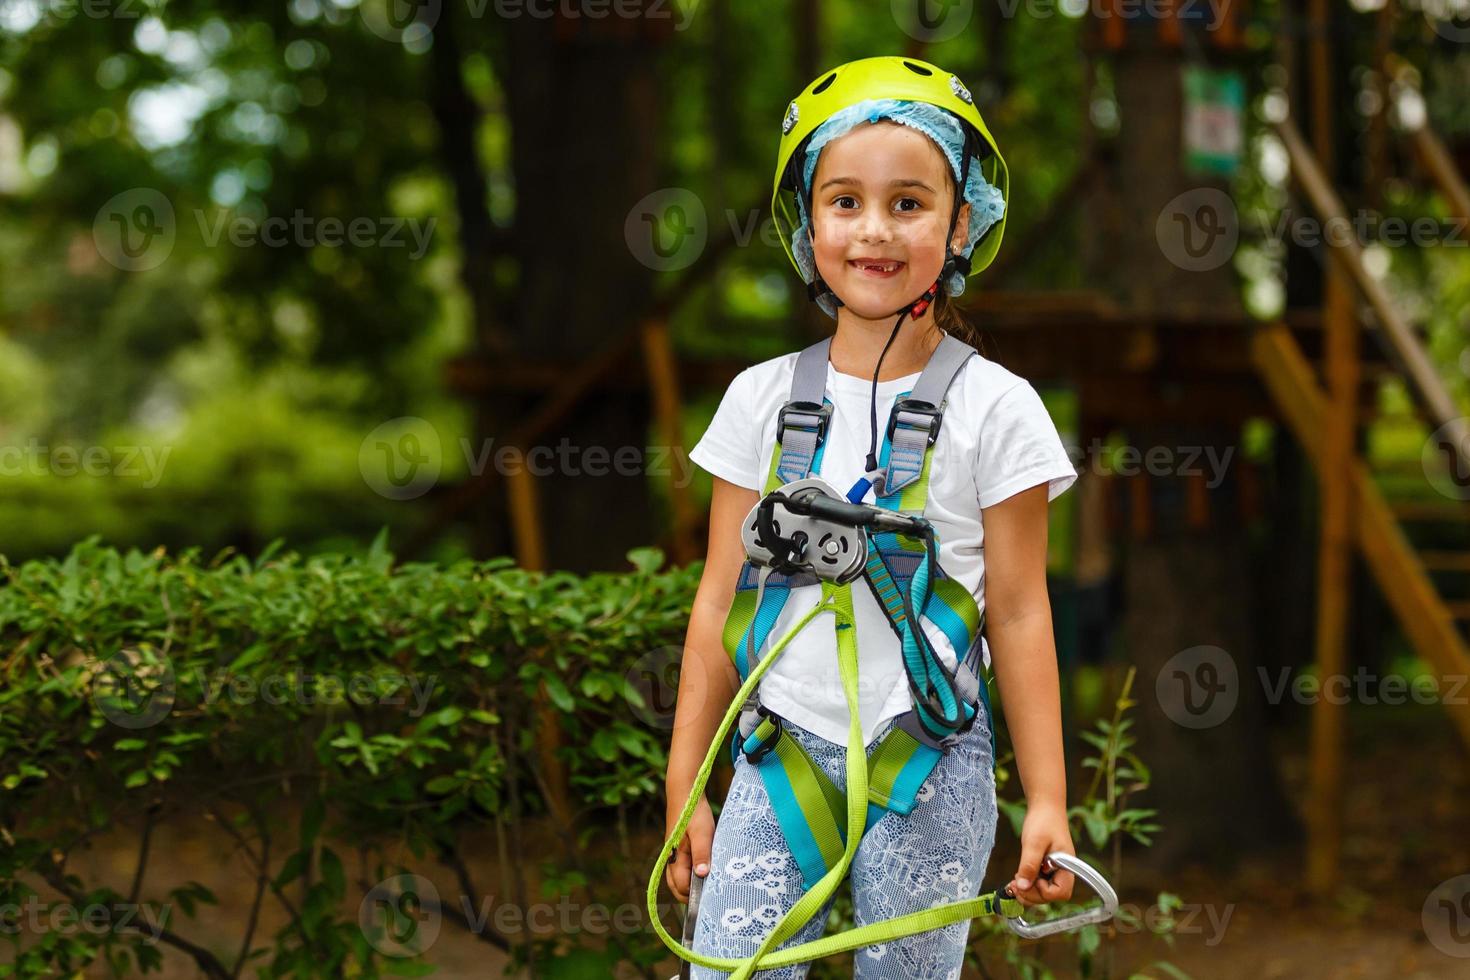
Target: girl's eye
[917,204]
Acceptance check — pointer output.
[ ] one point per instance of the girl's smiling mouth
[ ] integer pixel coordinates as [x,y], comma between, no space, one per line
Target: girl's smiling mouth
[877,268]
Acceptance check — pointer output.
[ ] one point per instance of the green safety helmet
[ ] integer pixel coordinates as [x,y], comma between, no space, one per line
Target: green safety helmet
[889,77]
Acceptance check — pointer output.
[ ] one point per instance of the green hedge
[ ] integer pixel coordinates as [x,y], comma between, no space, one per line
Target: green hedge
[366,700]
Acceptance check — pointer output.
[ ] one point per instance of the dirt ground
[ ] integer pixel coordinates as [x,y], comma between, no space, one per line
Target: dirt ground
[1407,812]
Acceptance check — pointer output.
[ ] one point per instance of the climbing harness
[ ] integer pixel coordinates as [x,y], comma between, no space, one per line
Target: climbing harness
[803,532]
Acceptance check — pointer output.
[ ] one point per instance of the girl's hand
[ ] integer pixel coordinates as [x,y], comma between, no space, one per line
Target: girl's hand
[1043,831]
[693,853]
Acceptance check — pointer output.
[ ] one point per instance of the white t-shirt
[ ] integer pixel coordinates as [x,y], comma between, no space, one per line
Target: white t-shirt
[995,441]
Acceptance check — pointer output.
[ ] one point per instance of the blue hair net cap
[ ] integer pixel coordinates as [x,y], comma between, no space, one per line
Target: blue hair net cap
[987,205]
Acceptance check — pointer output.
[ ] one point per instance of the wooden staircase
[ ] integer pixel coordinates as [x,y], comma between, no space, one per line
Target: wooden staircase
[1417,547]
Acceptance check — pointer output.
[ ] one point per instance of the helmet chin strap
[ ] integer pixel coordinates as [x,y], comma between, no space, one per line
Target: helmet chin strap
[953,262]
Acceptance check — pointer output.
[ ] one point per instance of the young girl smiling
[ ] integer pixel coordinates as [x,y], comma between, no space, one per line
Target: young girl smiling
[885,160]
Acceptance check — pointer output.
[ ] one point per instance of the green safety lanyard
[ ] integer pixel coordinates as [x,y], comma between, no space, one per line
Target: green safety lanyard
[836,599]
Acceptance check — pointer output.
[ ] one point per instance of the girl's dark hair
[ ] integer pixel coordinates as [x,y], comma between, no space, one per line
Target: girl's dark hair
[946,311]
[949,318]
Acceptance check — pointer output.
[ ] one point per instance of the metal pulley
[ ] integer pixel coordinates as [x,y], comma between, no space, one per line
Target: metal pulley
[781,532]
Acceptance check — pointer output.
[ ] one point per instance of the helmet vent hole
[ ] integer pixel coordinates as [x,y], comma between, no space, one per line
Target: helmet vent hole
[824,84]
[917,69]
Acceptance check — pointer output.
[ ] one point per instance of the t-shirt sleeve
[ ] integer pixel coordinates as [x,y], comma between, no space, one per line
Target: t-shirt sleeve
[728,447]
[1020,448]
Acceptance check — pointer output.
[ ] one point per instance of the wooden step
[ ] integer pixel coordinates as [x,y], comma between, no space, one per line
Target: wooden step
[1430,510]
[1446,561]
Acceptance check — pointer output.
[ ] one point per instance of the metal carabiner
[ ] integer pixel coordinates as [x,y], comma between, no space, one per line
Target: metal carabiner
[696,886]
[1087,874]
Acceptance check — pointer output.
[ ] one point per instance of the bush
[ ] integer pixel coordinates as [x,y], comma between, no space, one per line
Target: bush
[371,700]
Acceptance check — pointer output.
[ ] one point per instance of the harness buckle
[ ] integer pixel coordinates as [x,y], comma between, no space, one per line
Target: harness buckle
[915,406]
[817,416]
[755,755]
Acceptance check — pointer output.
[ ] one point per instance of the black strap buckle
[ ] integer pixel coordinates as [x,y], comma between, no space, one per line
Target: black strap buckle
[914,406]
[822,413]
[755,755]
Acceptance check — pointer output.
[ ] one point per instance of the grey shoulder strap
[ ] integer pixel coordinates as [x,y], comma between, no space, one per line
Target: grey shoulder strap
[914,423]
[802,424]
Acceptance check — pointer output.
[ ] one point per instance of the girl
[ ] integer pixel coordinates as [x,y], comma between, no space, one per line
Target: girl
[885,159]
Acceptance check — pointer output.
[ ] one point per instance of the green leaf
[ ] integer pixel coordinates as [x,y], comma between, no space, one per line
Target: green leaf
[312,816]
[558,692]
[332,875]
[443,784]
[293,868]
[448,716]
[646,560]
[252,655]
[604,745]
[379,558]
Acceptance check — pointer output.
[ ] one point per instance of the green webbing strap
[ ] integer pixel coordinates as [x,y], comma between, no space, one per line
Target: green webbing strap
[808,805]
[837,599]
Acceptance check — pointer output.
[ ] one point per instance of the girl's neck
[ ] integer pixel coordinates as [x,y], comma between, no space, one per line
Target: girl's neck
[859,342]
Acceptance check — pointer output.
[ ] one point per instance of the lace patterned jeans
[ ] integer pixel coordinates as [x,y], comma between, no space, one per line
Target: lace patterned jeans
[934,856]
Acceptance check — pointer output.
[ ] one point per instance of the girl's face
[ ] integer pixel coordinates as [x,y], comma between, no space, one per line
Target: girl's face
[881,198]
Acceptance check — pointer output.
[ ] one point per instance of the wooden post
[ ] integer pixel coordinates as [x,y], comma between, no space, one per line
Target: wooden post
[1329,718]
[1196,500]
[663,383]
[1170,33]
[1140,505]
[524,503]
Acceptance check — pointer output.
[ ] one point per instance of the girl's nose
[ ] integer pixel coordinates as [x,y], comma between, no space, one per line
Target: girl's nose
[872,226]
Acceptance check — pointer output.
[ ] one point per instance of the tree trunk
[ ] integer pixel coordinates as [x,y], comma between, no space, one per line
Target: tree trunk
[583,104]
[1190,626]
